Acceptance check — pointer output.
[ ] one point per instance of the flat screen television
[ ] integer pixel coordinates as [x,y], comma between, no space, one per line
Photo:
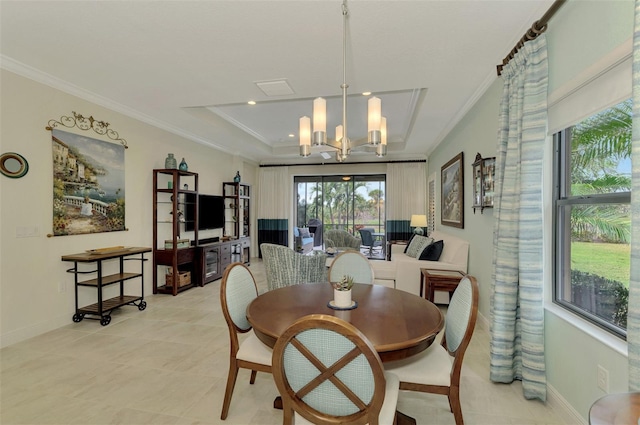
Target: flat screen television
[210,212]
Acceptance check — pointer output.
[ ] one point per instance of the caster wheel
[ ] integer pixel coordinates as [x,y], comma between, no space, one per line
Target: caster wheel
[78,317]
[142,305]
[105,320]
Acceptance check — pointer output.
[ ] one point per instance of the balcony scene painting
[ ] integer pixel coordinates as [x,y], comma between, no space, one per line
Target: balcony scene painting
[88,185]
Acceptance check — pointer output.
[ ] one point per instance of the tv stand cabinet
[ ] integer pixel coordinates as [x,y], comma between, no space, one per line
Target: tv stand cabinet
[216,256]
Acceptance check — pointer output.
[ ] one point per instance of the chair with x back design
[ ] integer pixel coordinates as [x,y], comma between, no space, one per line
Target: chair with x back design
[327,372]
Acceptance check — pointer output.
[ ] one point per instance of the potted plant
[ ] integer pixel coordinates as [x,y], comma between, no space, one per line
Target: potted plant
[342,291]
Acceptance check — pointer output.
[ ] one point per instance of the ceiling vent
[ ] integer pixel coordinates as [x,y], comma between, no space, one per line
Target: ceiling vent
[275,87]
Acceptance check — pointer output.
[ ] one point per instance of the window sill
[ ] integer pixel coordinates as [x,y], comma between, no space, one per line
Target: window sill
[617,344]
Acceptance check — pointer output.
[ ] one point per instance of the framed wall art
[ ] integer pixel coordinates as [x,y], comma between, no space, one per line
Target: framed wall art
[88,178]
[452,193]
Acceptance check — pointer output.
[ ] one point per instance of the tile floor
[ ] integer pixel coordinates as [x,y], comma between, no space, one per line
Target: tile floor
[168,365]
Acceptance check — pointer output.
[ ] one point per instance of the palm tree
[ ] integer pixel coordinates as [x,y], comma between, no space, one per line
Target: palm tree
[598,144]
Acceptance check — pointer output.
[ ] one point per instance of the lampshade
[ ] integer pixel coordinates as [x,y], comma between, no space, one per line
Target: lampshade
[375,111]
[305,136]
[418,220]
[381,149]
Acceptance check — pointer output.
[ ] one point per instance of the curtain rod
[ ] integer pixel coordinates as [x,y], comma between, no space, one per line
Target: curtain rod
[342,163]
[532,33]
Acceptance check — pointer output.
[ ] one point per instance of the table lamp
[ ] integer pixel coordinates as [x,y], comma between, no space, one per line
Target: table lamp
[418,221]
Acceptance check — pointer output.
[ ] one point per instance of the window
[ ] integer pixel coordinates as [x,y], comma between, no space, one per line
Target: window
[341,202]
[592,218]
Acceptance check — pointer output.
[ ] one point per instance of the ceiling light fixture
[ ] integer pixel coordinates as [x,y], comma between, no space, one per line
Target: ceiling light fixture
[377,125]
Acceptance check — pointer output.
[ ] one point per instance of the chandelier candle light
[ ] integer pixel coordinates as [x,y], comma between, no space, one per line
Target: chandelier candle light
[377,124]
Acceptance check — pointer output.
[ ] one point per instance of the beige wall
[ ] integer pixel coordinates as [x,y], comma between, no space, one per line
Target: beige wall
[31,271]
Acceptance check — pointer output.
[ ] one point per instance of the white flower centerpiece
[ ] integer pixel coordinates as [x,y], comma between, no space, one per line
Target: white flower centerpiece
[342,291]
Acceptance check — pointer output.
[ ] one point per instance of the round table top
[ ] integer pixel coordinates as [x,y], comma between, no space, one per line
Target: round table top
[397,323]
[616,409]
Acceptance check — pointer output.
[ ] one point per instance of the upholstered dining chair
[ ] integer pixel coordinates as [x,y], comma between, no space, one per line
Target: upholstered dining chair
[354,264]
[237,290]
[285,267]
[327,372]
[437,369]
[366,234]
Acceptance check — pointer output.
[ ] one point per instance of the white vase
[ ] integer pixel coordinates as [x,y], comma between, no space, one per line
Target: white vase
[342,298]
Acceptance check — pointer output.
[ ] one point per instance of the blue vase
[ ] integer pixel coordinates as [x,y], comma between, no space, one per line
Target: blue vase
[237,177]
[170,163]
[183,165]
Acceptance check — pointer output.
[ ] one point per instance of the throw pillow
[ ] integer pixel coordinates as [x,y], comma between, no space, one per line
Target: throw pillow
[433,251]
[304,232]
[418,243]
[406,247]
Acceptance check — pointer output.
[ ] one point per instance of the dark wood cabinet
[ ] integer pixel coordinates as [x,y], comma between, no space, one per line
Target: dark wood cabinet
[180,259]
[215,257]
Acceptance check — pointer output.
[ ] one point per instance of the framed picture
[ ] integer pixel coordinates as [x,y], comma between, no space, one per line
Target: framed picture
[452,193]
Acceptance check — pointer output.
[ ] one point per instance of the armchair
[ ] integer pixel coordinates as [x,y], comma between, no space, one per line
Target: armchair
[285,267]
[341,240]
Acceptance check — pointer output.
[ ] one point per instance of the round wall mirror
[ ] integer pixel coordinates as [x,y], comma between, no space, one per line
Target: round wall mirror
[13,165]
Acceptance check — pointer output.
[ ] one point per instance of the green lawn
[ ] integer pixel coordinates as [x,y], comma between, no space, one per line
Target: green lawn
[608,260]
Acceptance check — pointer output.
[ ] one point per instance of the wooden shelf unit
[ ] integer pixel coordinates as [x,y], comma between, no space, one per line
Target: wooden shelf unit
[169,202]
[237,204]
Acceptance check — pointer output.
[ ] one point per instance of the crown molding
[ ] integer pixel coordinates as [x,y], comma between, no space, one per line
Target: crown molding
[34,74]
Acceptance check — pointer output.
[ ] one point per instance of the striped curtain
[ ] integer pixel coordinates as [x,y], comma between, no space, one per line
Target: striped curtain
[517,311]
[633,315]
[406,190]
[273,206]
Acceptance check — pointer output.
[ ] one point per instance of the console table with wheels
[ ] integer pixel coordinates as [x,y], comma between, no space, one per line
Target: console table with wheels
[102,309]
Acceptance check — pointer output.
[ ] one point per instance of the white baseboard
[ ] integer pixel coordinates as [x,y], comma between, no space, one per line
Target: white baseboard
[482,322]
[554,398]
[562,406]
[23,334]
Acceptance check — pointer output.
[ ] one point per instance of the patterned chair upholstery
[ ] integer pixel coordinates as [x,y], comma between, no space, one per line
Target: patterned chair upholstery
[285,267]
[327,372]
[341,240]
[237,290]
[354,264]
[437,369]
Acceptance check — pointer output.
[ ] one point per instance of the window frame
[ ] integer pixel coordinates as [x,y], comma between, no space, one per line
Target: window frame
[562,232]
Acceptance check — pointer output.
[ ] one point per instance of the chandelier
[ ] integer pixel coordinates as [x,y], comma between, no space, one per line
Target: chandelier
[377,124]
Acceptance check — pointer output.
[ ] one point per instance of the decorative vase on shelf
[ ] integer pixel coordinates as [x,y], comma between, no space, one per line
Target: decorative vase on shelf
[236,179]
[170,163]
[183,165]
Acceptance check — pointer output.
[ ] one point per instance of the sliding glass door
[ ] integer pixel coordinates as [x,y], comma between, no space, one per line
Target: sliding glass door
[341,202]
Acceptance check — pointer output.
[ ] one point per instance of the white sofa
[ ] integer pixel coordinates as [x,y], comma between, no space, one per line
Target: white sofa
[405,270]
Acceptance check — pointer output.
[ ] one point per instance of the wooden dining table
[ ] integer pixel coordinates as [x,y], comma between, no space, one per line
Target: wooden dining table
[397,323]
